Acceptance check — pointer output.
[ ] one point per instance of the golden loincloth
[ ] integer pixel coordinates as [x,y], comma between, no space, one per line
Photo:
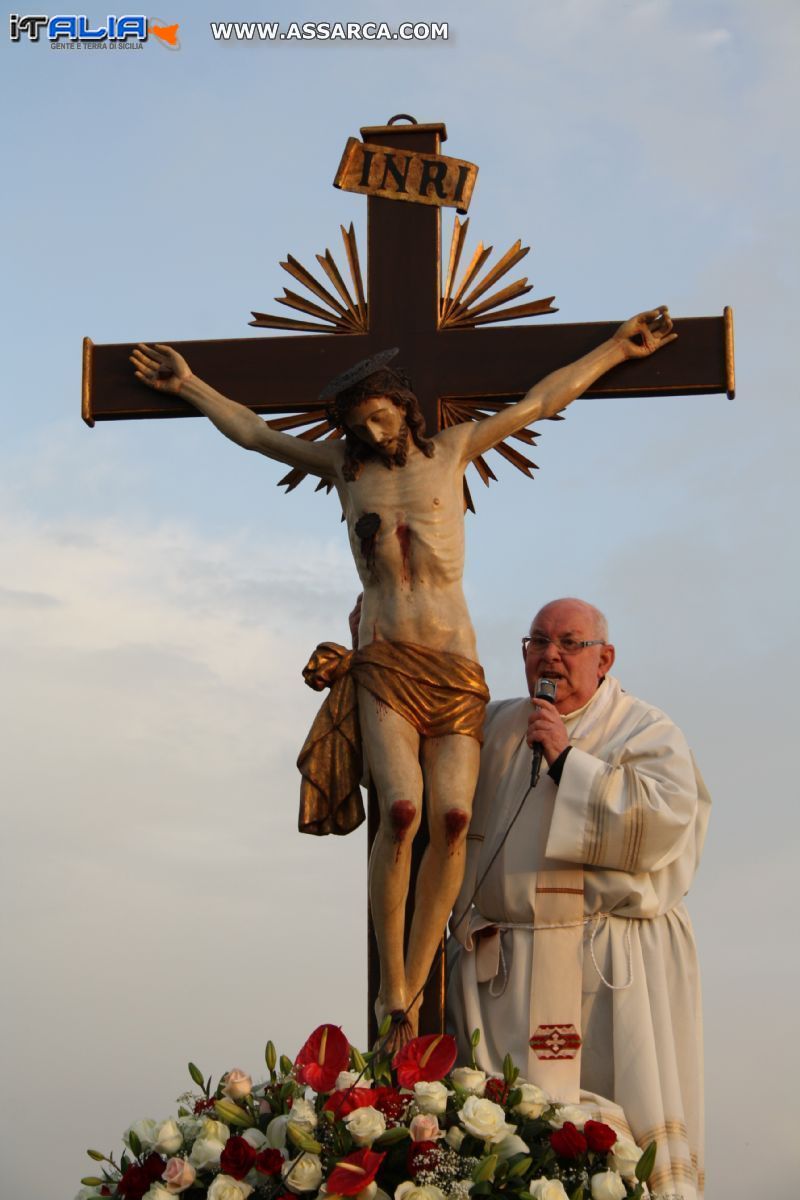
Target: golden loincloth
[436,692]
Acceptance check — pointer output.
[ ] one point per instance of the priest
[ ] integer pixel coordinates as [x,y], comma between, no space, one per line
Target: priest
[571,947]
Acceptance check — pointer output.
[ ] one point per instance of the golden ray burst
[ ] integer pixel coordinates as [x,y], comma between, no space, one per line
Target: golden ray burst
[460,307]
[343,313]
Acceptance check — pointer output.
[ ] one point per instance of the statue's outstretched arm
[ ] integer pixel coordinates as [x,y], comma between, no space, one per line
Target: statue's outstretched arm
[639,337]
[162,368]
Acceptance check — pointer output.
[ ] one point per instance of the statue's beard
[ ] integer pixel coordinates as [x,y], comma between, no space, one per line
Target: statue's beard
[398,456]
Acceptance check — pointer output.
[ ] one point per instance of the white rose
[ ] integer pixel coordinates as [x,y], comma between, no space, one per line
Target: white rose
[431,1097]
[411,1191]
[365,1125]
[302,1174]
[168,1138]
[607,1185]
[569,1112]
[454,1137]
[533,1101]
[206,1152]
[624,1157]
[302,1115]
[157,1191]
[276,1132]
[485,1119]
[255,1138]
[511,1145]
[467,1079]
[225,1187]
[215,1129]
[348,1079]
[548,1189]
[144,1130]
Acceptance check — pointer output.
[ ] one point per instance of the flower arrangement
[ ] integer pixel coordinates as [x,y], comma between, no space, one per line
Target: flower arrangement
[339,1123]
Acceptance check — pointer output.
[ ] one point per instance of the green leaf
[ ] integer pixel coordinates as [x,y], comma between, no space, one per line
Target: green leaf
[96,1155]
[508,1069]
[398,1134]
[124,1163]
[385,1026]
[92,1181]
[271,1056]
[644,1167]
[514,1098]
[357,1059]
[485,1169]
[578,1193]
[519,1166]
[197,1075]
[134,1143]
[482,1189]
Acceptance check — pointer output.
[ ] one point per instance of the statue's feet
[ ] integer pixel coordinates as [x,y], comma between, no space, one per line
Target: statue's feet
[403,1028]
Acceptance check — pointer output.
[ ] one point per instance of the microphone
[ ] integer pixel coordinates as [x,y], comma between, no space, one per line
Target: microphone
[545,690]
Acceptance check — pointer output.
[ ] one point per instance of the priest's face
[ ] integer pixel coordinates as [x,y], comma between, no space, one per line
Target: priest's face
[577,675]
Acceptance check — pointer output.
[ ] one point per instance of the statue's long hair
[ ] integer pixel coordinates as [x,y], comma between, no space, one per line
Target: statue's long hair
[395,385]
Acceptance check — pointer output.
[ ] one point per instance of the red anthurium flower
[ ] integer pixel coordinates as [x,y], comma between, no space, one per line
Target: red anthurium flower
[349,1099]
[425,1059]
[600,1137]
[352,1174]
[325,1054]
[568,1141]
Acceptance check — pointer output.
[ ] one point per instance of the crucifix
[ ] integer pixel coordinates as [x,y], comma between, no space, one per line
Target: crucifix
[462,373]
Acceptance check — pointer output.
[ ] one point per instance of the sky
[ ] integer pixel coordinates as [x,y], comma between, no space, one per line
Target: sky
[159,594]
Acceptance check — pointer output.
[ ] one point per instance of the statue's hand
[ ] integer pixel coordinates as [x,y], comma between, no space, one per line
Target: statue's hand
[646,332]
[160,367]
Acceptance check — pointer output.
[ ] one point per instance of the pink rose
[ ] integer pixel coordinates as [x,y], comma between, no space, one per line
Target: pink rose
[424,1128]
[238,1084]
[179,1175]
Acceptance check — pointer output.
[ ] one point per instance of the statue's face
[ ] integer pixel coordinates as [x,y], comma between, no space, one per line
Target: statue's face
[380,423]
[576,675]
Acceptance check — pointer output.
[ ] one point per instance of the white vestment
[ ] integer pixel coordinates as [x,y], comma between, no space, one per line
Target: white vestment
[632,809]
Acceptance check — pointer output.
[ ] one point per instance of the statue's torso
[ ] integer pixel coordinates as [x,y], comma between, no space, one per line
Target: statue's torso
[411,565]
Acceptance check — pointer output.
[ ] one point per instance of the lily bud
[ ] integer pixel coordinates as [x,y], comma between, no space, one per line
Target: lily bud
[231,1113]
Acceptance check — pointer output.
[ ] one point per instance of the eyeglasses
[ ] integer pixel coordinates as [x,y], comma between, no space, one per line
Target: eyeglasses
[566,645]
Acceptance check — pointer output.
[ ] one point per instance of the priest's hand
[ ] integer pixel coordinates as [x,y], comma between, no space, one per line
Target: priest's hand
[160,367]
[645,333]
[546,727]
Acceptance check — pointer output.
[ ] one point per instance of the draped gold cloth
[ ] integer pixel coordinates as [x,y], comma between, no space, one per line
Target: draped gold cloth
[436,692]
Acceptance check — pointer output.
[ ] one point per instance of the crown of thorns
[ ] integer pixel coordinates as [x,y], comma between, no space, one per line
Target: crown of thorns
[362,370]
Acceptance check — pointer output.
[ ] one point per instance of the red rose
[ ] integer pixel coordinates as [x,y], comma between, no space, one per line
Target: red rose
[422,1156]
[425,1059]
[237,1158]
[497,1090]
[322,1058]
[568,1142]
[138,1177]
[390,1102]
[352,1174]
[599,1136]
[269,1162]
[347,1100]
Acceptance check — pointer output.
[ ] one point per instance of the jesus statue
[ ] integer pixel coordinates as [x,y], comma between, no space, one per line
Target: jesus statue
[402,498]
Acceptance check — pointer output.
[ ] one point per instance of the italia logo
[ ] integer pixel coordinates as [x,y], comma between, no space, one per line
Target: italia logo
[72,27]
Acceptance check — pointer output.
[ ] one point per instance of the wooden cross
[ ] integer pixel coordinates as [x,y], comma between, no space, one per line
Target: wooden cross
[458,370]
